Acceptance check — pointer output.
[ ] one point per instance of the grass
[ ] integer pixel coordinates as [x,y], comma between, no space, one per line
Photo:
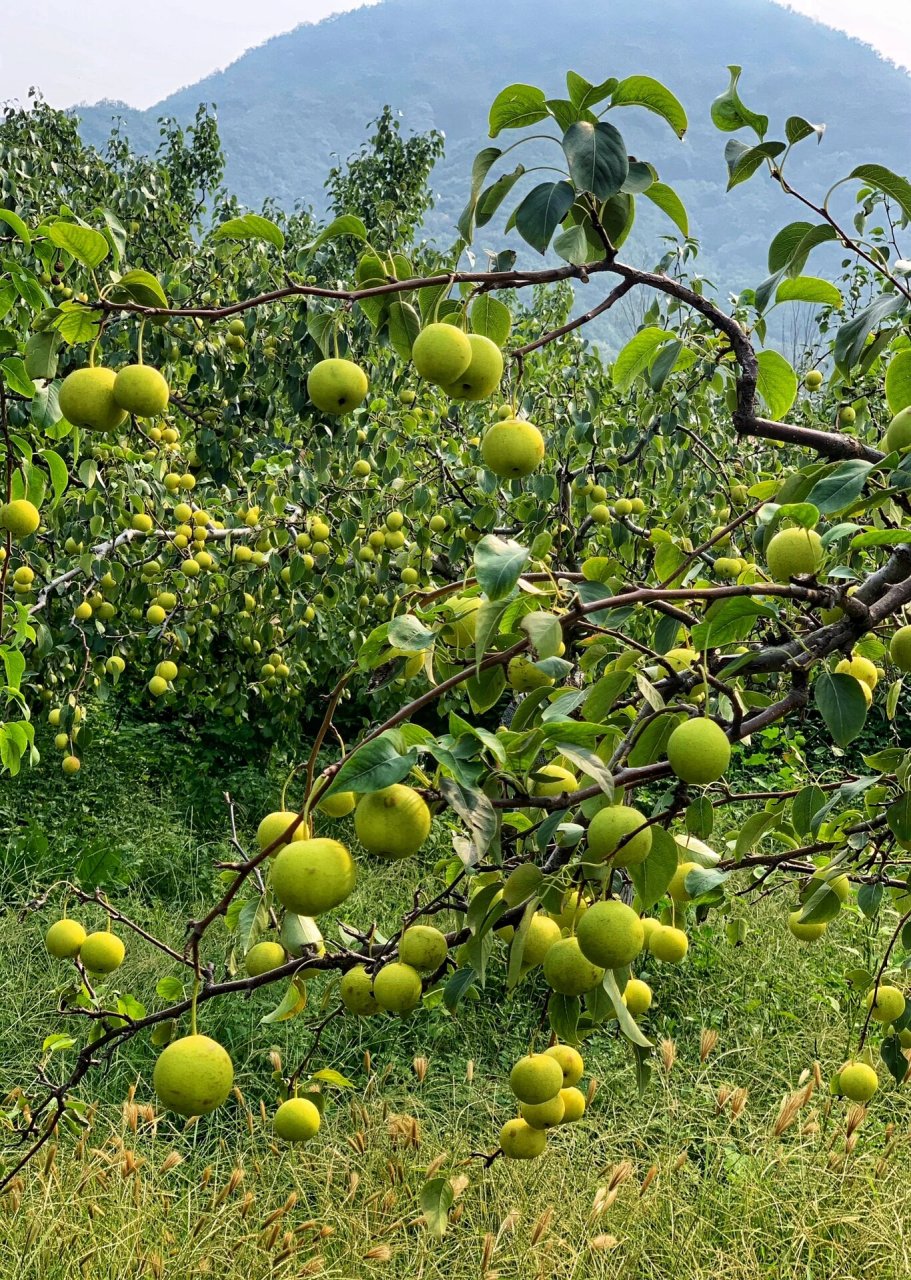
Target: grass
[732,1164]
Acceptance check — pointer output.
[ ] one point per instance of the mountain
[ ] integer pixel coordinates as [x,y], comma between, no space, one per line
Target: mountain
[287,108]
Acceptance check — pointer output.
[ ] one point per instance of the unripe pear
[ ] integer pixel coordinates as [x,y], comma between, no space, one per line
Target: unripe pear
[393,822]
[337,386]
[519,1141]
[610,836]
[276,824]
[637,996]
[610,934]
[193,1076]
[860,668]
[898,433]
[397,988]
[886,1002]
[20,517]
[312,876]
[677,888]
[87,399]
[296,1120]
[555,781]
[803,931]
[141,390]
[356,992]
[567,970]
[570,1060]
[543,933]
[423,947]
[536,1078]
[102,952]
[698,751]
[858,1081]
[338,805]
[264,956]
[524,676]
[573,1105]
[543,1115]
[482,377]
[441,353]
[668,944]
[793,553]
[813,380]
[64,938]
[512,449]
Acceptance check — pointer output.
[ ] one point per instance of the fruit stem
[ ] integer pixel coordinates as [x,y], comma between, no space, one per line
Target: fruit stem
[139,337]
[193,1007]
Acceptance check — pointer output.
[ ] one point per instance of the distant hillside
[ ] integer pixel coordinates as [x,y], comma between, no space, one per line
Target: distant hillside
[287,107]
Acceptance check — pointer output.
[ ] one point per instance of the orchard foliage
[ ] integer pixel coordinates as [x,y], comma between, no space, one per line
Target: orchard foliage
[561,589]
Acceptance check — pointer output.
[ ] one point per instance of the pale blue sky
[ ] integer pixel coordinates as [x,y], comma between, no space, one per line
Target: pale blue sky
[139,52]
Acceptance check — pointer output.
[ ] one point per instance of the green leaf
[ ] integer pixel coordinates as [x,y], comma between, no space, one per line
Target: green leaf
[796,129]
[729,622]
[869,899]
[59,1041]
[652,876]
[475,810]
[142,287]
[808,289]
[604,693]
[898,817]
[490,318]
[493,196]
[583,94]
[169,989]
[883,179]
[841,704]
[253,226]
[15,223]
[729,113]
[87,246]
[292,1003]
[98,866]
[60,477]
[404,327]
[408,633]
[704,880]
[14,665]
[743,161]
[628,1024]
[669,202]
[597,158]
[498,562]
[898,381]
[484,689]
[804,806]
[375,765]
[515,107]
[542,211]
[851,338]
[777,383]
[753,829]
[346,225]
[572,245]
[480,167]
[637,355]
[892,1052]
[643,91]
[77,324]
[841,487]
[436,1198]
[328,1075]
[15,376]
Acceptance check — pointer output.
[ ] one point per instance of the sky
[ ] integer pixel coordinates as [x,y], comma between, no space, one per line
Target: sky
[127,51]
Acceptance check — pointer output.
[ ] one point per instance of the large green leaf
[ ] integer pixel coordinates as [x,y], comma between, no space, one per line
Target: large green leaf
[252,226]
[517,106]
[15,223]
[851,338]
[898,381]
[652,876]
[643,91]
[498,562]
[583,94]
[346,225]
[140,286]
[542,211]
[730,114]
[637,355]
[777,383]
[480,167]
[628,1024]
[404,327]
[841,704]
[743,161]
[597,158]
[493,196]
[808,289]
[883,179]
[87,246]
[436,1198]
[841,487]
[375,765]
[491,318]
[669,202]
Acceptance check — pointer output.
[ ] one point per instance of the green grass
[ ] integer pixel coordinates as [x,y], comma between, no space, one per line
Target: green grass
[692,1190]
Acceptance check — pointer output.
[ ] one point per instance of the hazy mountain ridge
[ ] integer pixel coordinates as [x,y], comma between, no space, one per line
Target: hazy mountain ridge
[286,107]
